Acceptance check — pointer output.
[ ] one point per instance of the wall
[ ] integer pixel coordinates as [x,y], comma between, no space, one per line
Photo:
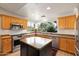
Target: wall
[66,31]
[12,32]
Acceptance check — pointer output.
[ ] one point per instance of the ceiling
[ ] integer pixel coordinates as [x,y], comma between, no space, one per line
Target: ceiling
[34,11]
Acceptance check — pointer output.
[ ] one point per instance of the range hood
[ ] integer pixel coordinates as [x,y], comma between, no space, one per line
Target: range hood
[15,26]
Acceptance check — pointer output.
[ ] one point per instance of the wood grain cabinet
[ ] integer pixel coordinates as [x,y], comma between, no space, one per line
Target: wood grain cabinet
[23,22]
[13,20]
[62,43]
[67,22]
[61,22]
[70,22]
[6,21]
[70,46]
[6,44]
[20,21]
[67,44]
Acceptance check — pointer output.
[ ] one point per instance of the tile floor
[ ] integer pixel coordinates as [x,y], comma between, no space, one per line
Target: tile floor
[59,53]
[17,53]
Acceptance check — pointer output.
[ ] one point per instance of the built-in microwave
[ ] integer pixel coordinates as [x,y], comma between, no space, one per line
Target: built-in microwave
[16,27]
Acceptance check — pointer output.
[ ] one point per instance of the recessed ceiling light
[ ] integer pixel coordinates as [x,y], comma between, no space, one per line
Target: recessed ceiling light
[48,8]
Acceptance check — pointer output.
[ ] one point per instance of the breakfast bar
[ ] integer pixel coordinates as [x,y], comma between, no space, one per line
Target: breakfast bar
[36,46]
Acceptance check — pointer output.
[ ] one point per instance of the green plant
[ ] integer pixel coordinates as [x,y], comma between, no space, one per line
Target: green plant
[51,29]
[47,27]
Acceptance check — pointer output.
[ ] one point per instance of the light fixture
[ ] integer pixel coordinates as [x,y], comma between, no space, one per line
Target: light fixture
[48,8]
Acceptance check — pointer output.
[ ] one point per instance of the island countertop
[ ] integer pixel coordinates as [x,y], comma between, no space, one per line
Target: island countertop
[36,42]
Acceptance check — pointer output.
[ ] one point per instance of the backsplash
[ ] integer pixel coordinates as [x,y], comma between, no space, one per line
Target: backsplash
[11,32]
[67,31]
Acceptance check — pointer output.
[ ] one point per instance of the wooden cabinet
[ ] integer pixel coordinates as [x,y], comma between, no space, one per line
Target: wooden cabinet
[28,50]
[6,44]
[70,46]
[15,20]
[67,44]
[62,43]
[20,21]
[70,22]
[6,21]
[23,22]
[61,22]
[67,22]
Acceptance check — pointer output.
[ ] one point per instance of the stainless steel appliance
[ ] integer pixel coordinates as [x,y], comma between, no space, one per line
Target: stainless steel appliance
[77,38]
[15,26]
[16,42]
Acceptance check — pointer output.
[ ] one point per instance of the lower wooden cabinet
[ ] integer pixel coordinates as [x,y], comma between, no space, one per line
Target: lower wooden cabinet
[67,44]
[62,43]
[6,44]
[70,45]
[6,21]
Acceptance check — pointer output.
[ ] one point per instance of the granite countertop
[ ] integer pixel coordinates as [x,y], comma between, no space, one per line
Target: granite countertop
[3,32]
[54,35]
[11,32]
[36,42]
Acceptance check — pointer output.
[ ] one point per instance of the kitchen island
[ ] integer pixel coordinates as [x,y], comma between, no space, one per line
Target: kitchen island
[36,46]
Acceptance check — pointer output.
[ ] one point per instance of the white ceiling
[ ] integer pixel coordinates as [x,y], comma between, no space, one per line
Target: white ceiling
[34,11]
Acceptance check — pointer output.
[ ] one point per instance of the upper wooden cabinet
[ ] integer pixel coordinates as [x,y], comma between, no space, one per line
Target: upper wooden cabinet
[6,21]
[67,22]
[24,23]
[70,22]
[20,21]
[61,22]
[15,20]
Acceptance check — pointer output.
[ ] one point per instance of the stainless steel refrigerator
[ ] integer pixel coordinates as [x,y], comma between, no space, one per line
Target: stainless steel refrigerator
[77,37]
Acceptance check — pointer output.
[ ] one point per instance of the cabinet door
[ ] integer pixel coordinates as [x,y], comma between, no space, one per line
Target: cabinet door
[24,23]
[6,21]
[15,20]
[6,45]
[70,22]
[62,43]
[70,45]
[61,22]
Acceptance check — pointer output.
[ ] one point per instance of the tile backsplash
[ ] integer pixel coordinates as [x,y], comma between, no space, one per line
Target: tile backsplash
[67,31]
[11,32]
